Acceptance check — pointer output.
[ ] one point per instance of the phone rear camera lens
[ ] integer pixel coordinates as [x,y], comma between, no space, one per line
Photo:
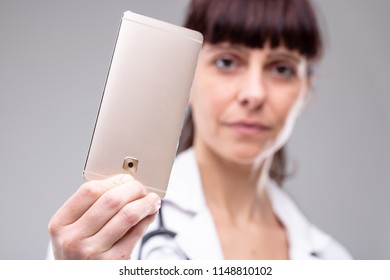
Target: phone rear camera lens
[130,165]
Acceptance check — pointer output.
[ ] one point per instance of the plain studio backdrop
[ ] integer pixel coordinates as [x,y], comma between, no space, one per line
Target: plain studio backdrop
[54,58]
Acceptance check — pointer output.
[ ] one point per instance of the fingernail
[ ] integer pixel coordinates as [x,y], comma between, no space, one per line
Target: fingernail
[156,200]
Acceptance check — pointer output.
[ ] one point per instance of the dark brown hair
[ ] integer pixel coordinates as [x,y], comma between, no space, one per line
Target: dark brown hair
[291,23]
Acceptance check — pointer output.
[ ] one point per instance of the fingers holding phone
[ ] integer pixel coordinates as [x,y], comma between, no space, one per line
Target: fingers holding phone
[96,220]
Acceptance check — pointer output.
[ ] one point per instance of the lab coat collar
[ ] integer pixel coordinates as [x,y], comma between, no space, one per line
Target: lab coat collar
[185,186]
[200,240]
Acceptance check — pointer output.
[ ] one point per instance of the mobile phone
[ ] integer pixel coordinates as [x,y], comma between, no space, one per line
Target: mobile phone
[144,100]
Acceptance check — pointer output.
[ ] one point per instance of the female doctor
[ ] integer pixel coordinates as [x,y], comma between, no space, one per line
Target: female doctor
[224,199]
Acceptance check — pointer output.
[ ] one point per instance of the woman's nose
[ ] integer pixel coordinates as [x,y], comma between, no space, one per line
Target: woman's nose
[252,93]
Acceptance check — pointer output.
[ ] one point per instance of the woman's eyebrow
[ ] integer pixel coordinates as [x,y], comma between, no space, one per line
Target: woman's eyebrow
[287,55]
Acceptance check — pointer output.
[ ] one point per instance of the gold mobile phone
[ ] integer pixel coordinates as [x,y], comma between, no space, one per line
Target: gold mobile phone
[144,101]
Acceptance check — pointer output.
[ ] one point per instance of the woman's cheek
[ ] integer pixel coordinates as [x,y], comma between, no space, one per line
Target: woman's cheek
[285,105]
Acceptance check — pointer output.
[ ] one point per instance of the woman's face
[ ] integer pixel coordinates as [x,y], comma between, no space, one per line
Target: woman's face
[244,100]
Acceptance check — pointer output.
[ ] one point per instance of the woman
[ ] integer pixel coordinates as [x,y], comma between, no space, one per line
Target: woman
[252,81]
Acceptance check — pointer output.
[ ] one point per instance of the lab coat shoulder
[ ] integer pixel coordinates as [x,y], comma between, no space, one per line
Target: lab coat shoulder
[327,247]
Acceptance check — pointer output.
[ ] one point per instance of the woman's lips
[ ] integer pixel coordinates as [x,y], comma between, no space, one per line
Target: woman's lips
[248,128]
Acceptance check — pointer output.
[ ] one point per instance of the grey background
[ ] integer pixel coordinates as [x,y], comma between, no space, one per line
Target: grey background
[54,57]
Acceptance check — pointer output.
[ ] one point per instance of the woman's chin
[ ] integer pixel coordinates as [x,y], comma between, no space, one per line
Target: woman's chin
[246,156]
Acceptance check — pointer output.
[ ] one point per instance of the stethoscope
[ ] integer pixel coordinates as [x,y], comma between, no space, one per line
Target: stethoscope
[160,231]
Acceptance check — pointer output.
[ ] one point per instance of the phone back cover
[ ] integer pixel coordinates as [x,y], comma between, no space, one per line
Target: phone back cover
[144,101]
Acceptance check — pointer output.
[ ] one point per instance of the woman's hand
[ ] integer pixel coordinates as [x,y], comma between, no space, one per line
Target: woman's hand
[103,219]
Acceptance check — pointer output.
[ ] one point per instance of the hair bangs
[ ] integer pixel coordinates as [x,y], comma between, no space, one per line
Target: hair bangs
[255,23]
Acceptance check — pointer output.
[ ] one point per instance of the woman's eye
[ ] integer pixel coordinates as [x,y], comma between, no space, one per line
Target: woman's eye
[283,71]
[226,64]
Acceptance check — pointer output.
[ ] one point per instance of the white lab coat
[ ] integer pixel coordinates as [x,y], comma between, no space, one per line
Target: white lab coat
[185,212]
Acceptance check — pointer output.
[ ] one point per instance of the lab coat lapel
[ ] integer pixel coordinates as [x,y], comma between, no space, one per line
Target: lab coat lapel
[199,239]
[305,241]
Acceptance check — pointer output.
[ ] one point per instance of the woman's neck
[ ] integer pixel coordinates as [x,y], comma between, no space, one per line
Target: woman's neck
[233,189]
